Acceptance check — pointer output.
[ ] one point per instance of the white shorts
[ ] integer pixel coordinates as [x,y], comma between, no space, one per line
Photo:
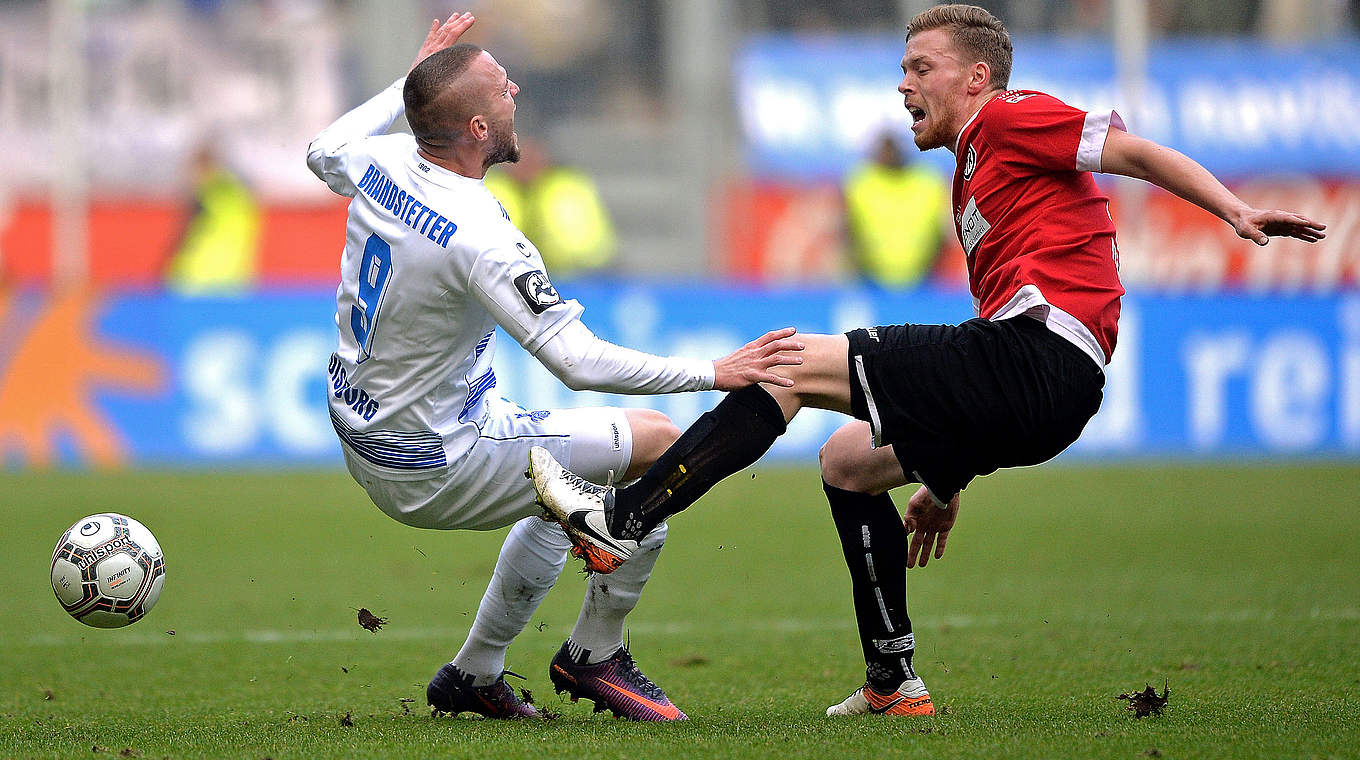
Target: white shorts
[487,488]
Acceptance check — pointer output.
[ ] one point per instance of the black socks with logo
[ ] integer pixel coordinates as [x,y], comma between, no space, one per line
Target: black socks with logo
[875,549]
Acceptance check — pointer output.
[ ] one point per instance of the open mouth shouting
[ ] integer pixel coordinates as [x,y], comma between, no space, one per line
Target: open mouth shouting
[918,115]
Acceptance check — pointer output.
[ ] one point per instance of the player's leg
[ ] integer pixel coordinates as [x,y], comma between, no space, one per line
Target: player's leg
[721,442]
[529,563]
[491,490]
[530,560]
[594,663]
[856,478]
[599,628]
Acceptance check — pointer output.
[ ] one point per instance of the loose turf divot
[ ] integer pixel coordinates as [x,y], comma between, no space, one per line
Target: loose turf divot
[545,713]
[370,622]
[1146,702]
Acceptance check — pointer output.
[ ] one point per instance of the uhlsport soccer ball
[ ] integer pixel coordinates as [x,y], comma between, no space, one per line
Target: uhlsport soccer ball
[108,570]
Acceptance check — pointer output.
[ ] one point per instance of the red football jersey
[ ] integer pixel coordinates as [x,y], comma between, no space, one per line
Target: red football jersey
[1035,227]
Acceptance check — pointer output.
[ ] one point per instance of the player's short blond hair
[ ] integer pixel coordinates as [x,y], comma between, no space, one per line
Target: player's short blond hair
[979,35]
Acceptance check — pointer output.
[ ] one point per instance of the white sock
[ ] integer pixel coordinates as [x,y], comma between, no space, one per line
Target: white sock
[534,553]
[609,599]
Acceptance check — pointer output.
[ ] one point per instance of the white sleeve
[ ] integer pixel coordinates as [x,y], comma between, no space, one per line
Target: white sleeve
[326,154]
[524,303]
[1091,149]
[583,361]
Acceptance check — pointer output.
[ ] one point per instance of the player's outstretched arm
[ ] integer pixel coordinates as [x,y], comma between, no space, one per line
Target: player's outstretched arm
[755,362]
[1134,156]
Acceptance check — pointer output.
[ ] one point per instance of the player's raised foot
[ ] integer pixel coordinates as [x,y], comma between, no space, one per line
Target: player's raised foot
[911,698]
[582,508]
[451,691]
[615,685]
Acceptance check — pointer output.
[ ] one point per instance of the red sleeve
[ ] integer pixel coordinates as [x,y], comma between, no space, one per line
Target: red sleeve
[1036,132]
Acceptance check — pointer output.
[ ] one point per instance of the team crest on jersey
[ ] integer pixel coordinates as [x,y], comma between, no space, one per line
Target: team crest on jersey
[969,163]
[538,293]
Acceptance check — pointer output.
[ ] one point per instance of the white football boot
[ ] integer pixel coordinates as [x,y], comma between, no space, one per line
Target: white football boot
[580,507]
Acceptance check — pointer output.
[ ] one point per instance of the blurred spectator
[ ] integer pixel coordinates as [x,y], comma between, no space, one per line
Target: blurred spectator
[557,207]
[219,249]
[896,212]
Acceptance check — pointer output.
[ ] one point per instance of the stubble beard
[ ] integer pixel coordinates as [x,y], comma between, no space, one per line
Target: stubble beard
[935,136]
[504,146]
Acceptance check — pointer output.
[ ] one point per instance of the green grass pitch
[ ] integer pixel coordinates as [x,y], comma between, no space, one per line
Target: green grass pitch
[1239,587]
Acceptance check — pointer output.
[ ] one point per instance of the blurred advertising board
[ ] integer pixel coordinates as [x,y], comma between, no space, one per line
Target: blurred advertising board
[131,242]
[145,379]
[772,232]
[810,105]
[782,231]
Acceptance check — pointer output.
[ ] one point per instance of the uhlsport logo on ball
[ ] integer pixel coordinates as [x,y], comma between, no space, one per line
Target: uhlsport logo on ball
[108,570]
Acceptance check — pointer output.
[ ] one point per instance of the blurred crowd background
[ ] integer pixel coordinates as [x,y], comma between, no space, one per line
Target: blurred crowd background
[152,154]
[122,122]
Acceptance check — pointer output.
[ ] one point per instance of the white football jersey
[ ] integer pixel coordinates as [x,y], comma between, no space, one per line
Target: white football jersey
[432,263]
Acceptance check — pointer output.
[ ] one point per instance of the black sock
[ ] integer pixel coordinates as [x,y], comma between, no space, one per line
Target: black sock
[876,553]
[721,442]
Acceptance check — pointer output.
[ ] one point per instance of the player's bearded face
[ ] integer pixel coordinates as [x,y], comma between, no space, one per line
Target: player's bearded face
[934,88]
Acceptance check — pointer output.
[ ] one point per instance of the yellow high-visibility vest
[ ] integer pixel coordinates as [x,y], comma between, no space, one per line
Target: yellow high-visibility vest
[896,219]
[219,251]
[562,214]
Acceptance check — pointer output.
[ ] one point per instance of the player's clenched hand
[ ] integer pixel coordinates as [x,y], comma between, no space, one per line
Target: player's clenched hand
[1260,226]
[928,525]
[753,362]
[443,35]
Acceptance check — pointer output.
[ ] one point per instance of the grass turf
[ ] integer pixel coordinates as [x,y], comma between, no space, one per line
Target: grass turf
[1062,587]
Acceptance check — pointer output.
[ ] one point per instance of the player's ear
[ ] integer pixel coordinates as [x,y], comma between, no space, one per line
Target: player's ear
[479,127]
[979,78]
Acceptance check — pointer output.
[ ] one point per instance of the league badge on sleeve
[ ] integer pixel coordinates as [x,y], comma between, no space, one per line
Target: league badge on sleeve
[538,293]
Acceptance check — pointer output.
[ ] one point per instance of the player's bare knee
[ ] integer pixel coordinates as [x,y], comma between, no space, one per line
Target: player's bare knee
[838,467]
[653,433]
[661,432]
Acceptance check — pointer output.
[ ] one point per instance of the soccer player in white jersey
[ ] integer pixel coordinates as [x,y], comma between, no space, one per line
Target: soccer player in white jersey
[432,265]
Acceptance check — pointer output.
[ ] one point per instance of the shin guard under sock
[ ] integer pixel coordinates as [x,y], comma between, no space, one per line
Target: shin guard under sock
[721,442]
[875,549]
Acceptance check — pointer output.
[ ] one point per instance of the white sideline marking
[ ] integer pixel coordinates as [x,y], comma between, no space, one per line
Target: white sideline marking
[156,636]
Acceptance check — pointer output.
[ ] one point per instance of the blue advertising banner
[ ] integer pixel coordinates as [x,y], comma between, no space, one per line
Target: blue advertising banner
[809,106]
[155,380]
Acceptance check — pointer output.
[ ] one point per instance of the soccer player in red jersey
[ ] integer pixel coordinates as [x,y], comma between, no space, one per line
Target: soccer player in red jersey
[941,404]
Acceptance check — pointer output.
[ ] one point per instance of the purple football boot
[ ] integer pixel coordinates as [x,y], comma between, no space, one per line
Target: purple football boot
[615,685]
[451,691]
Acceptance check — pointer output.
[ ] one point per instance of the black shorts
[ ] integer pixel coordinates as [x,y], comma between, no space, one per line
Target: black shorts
[956,402]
